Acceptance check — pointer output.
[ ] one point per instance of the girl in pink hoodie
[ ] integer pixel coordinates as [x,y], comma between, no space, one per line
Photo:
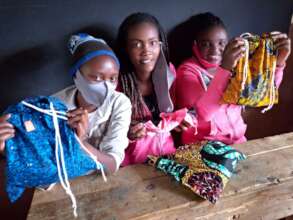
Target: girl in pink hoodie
[202,79]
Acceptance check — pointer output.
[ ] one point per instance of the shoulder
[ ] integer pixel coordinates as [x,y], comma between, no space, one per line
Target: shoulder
[188,67]
[66,93]
[121,101]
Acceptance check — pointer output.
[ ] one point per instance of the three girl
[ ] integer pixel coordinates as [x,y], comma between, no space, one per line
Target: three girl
[101,116]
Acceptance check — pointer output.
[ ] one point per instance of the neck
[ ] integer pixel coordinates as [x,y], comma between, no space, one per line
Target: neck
[145,86]
[143,77]
[81,103]
[201,60]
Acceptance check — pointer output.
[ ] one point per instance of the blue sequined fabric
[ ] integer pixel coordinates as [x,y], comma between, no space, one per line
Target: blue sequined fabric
[30,155]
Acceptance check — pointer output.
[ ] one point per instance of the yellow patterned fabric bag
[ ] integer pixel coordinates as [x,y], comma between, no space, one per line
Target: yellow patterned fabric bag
[253,81]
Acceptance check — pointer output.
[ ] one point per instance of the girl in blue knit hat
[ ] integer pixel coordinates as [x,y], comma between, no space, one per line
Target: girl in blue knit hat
[99,114]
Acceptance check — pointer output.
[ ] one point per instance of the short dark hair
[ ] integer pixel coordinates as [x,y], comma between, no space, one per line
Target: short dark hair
[203,22]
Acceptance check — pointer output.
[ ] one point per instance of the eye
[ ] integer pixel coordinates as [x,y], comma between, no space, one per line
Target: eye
[96,78]
[136,44]
[205,44]
[223,43]
[155,43]
[114,79]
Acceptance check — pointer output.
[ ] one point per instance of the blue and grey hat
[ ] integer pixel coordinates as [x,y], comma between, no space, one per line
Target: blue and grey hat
[85,47]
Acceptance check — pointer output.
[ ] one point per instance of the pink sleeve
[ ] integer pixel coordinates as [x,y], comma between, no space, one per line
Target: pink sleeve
[209,103]
[188,87]
[172,68]
[279,75]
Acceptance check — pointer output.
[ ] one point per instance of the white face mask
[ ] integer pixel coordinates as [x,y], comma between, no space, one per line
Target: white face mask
[93,93]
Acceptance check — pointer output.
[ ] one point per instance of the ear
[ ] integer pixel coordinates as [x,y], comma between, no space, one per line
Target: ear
[194,42]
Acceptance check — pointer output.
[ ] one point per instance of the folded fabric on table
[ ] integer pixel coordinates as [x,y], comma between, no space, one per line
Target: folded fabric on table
[204,167]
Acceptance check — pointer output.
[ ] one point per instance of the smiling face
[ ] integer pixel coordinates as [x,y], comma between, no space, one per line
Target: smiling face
[212,43]
[143,48]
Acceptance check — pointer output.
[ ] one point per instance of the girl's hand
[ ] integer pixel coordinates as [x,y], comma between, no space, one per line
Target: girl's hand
[283,46]
[78,120]
[183,126]
[136,131]
[6,131]
[234,50]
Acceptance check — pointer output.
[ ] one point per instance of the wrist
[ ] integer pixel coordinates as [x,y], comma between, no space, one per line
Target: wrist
[226,67]
[281,64]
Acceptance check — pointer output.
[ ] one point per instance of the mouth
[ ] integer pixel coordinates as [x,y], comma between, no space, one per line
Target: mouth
[145,61]
[214,58]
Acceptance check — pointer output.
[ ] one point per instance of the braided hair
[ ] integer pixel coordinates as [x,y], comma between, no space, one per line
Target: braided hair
[129,85]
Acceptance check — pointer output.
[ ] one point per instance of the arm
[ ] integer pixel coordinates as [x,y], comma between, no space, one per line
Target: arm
[78,120]
[283,46]
[279,75]
[209,103]
[107,160]
[115,140]
[189,87]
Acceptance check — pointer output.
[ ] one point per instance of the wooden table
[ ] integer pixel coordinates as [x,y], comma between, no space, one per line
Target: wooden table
[262,189]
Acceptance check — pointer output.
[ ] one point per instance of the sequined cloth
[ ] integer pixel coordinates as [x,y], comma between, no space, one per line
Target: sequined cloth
[30,155]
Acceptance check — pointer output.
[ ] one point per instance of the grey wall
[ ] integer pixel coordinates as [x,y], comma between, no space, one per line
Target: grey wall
[34,33]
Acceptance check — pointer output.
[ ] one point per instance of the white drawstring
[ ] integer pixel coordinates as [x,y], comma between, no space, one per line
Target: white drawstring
[245,74]
[98,164]
[61,165]
[60,162]
[272,90]
[245,68]
[46,111]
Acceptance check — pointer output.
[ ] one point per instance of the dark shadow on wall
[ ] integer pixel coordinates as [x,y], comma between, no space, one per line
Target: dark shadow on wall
[98,31]
[180,42]
[19,70]
[23,73]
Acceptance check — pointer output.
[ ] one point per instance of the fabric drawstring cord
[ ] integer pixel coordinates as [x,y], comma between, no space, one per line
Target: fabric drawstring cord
[59,154]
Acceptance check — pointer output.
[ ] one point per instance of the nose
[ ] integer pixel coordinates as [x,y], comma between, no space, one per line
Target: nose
[146,47]
[216,49]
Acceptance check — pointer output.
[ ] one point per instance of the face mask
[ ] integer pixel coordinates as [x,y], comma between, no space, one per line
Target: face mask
[93,93]
[163,78]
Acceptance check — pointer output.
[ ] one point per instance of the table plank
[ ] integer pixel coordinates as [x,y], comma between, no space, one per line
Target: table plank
[262,189]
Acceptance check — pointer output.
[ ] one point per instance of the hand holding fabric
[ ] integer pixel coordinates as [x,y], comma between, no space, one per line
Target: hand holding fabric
[283,47]
[78,120]
[6,131]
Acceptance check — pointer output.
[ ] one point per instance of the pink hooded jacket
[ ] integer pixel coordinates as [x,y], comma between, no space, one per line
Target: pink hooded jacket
[199,86]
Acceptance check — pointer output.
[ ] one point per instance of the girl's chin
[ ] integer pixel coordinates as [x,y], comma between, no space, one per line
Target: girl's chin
[214,61]
[146,68]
